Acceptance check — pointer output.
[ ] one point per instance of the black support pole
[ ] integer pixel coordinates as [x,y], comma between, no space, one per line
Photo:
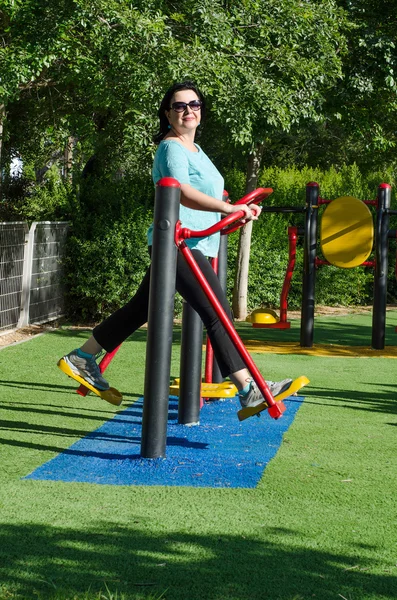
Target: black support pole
[381,267]
[190,367]
[309,267]
[222,275]
[160,321]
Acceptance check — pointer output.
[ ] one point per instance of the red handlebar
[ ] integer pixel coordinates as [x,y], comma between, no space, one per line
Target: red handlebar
[225,225]
[186,233]
[255,196]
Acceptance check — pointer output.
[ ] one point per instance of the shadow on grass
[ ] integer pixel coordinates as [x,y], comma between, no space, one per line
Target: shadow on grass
[45,448]
[39,429]
[53,388]
[131,441]
[56,410]
[38,559]
[378,402]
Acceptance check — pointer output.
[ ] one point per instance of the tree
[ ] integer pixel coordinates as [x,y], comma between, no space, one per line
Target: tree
[358,117]
[75,68]
[95,72]
[362,111]
[282,57]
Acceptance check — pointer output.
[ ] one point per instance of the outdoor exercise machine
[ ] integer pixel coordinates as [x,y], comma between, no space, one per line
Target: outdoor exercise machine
[190,382]
[347,237]
[225,227]
[168,238]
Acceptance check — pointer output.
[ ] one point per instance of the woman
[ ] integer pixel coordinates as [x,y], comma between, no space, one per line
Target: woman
[181,112]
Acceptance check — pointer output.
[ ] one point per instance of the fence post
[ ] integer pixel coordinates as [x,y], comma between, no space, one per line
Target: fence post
[160,319]
[23,320]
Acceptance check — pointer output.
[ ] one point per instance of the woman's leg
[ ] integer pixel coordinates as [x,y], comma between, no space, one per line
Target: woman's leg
[229,360]
[110,334]
[122,323]
[126,320]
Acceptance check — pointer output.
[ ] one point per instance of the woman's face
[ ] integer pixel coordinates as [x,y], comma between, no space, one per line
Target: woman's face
[188,120]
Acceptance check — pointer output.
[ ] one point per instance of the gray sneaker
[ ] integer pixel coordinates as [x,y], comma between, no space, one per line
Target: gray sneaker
[87,368]
[278,387]
[254,396]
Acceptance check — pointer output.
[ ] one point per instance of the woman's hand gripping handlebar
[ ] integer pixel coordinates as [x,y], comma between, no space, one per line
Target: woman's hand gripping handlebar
[250,203]
[242,212]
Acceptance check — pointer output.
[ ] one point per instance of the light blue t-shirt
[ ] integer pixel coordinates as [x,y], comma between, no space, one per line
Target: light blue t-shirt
[195,168]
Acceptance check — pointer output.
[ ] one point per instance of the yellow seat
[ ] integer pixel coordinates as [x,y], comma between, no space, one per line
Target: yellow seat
[346,232]
[263,315]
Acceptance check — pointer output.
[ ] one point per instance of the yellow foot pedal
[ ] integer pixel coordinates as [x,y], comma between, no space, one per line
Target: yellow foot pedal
[227,389]
[111,395]
[295,386]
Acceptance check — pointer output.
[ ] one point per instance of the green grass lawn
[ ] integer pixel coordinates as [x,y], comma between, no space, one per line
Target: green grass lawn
[321,523]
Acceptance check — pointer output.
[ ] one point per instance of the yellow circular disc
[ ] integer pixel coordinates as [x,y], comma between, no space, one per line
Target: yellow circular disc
[346,232]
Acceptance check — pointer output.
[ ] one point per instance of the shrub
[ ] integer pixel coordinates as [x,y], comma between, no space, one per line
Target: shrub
[109,214]
[104,270]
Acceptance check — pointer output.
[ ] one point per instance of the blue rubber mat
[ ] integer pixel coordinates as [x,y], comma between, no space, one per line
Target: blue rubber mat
[220,452]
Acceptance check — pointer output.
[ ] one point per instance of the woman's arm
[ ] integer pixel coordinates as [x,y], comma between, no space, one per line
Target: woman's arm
[192,198]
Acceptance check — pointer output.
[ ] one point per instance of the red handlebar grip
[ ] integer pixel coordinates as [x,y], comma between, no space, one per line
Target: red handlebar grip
[255,196]
[225,225]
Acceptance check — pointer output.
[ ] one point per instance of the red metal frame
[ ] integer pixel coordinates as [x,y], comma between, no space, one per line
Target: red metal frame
[209,352]
[254,197]
[292,239]
[283,323]
[368,202]
[275,409]
[367,263]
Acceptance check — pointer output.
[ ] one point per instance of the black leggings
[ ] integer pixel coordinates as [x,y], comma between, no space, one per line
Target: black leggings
[122,323]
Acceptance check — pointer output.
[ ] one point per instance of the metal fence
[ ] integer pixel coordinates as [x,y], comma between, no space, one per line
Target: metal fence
[31,277]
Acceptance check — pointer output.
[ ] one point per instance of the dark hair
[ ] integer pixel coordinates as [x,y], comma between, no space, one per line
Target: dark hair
[166,104]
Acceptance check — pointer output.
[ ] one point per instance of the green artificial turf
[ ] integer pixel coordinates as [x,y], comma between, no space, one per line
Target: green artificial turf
[321,523]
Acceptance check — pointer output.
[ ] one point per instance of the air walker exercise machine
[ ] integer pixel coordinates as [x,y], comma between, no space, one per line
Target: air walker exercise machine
[168,238]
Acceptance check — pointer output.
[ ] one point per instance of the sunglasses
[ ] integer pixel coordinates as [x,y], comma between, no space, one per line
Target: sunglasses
[180,107]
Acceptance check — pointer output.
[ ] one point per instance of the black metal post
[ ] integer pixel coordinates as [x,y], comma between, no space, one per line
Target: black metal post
[190,367]
[309,268]
[381,267]
[160,321]
[222,275]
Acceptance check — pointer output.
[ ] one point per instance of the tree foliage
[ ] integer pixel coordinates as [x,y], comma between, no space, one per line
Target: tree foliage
[97,70]
[287,82]
[366,98]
